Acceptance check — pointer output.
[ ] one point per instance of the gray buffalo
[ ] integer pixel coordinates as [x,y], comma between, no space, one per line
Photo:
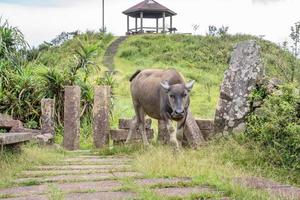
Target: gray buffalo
[162,95]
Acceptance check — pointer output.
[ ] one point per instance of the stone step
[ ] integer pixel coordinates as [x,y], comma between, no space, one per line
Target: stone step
[33,197]
[85,196]
[101,157]
[99,186]
[42,173]
[98,160]
[78,178]
[277,190]
[96,186]
[81,167]
[101,196]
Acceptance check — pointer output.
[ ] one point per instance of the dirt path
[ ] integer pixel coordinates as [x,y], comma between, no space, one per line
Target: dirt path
[111,51]
[112,177]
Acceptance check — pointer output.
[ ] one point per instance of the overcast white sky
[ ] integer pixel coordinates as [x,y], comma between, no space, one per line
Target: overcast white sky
[42,20]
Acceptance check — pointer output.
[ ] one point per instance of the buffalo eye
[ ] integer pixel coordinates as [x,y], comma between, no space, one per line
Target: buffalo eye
[172,96]
[184,95]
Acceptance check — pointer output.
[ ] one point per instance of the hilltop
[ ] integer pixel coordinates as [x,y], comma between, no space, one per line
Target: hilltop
[201,58]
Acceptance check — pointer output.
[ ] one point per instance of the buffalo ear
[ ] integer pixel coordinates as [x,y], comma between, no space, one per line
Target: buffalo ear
[165,85]
[189,85]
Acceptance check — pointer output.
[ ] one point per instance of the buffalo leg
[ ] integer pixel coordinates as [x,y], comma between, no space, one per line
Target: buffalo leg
[173,137]
[180,129]
[141,120]
[140,116]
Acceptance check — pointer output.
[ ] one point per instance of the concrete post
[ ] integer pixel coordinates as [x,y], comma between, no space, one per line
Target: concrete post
[101,125]
[47,119]
[72,117]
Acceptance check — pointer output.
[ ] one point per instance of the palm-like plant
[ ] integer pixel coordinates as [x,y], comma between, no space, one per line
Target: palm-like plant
[83,57]
[54,86]
[12,44]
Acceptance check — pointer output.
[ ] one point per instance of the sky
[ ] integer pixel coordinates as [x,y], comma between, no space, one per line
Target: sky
[42,20]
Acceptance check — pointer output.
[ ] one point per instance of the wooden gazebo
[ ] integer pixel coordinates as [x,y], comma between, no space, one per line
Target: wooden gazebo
[152,10]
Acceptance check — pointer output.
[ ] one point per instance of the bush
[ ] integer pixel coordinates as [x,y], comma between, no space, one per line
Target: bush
[275,127]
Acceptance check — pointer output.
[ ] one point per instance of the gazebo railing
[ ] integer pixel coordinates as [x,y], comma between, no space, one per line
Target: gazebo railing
[140,30]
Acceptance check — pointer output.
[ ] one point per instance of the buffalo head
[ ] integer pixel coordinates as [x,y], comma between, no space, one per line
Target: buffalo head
[177,98]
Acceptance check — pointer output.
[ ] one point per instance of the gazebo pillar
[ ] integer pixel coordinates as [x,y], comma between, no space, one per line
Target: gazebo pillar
[136,24]
[164,22]
[156,25]
[142,16]
[128,24]
[171,24]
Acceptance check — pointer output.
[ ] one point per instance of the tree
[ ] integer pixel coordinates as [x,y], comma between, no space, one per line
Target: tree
[219,32]
[295,37]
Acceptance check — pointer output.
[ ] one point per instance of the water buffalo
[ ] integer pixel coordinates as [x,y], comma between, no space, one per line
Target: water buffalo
[162,95]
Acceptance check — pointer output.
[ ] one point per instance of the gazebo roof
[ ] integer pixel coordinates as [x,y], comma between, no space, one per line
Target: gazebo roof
[150,9]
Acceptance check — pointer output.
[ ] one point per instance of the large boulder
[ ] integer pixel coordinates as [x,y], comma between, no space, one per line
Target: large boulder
[244,73]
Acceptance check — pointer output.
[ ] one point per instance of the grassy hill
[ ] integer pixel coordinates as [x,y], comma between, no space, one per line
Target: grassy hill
[201,58]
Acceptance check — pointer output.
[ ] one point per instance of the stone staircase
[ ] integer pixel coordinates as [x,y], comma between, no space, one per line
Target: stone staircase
[94,177]
[98,178]
[108,59]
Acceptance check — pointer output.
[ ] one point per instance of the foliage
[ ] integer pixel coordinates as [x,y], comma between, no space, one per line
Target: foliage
[12,44]
[295,36]
[214,31]
[275,128]
[44,71]
[21,94]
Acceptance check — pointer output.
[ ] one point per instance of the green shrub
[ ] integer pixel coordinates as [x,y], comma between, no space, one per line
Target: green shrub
[275,127]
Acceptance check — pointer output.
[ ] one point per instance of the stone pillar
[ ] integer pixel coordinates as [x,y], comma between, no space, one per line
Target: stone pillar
[163,135]
[72,117]
[192,132]
[101,127]
[47,122]
[244,73]
[47,119]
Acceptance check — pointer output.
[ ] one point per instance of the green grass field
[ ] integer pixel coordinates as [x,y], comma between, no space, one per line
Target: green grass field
[200,58]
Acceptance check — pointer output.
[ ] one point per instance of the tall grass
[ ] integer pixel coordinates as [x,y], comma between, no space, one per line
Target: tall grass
[216,165]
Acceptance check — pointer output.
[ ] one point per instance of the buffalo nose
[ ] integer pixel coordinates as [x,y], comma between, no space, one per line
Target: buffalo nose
[179,112]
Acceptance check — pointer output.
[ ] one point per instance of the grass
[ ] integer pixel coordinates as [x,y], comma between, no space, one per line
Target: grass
[119,150]
[201,58]
[215,165]
[11,164]
[54,193]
